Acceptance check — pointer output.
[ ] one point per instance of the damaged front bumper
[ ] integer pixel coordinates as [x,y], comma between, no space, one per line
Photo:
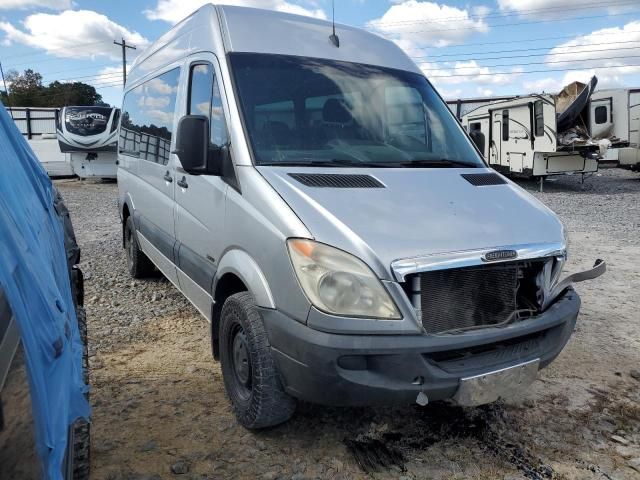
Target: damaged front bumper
[335,369]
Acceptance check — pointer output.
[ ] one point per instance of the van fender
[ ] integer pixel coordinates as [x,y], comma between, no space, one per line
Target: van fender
[241,264]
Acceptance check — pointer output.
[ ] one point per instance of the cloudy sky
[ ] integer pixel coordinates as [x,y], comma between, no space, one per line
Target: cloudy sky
[467,49]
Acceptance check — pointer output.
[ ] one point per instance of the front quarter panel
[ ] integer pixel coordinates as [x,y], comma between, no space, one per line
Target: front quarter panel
[258,223]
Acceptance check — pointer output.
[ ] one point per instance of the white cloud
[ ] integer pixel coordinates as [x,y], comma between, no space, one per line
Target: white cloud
[546,85]
[24,4]
[157,85]
[553,8]
[484,92]
[467,72]
[450,94]
[612,51]
[73,34]
[175,10]
[154,102]
[414,23]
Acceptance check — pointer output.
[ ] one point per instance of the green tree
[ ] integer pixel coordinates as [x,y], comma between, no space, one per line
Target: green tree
[27,90]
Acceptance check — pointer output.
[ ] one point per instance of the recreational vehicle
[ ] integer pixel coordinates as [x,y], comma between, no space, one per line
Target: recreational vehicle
[88,135]
[616,113]
[38,127]
[320,205]
[520,137]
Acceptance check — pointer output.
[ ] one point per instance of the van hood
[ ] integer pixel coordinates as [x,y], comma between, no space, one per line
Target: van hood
[420,211]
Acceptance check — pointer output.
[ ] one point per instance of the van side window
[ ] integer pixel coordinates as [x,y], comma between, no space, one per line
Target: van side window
[600,114]
[204,99]
[538,118]
[505,125]
[146,127]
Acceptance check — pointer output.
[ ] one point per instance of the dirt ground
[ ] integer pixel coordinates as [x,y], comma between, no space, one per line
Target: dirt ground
[160,410]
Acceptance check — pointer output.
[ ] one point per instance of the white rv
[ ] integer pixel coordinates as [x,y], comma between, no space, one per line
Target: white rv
[519,136]
[616,112]
[88,135]
[38,126]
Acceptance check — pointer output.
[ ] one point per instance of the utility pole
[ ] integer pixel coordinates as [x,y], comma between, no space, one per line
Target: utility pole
[124,59]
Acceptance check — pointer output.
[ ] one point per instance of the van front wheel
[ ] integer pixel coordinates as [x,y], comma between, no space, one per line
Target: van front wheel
[249,371]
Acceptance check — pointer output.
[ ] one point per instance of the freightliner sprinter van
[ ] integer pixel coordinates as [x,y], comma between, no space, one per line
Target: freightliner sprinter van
[312,195]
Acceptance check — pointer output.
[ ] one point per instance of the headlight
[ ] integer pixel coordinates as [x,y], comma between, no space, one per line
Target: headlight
[339,283]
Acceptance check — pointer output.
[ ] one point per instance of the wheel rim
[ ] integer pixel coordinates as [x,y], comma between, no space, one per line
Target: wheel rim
[241,361]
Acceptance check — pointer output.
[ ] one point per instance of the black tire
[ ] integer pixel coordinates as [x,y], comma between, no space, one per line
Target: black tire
[80,432]
[138,263]
[250,374]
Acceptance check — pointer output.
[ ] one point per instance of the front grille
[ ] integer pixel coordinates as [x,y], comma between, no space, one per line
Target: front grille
[466,298]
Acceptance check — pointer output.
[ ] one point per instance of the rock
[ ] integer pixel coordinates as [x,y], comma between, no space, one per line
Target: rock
[191,369]
[270,476]
[635,374]
[619,439]
[180,467]
[625,452]
[635,464]
[147,447]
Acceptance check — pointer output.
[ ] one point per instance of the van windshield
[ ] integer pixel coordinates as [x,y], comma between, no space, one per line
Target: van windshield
[309,111]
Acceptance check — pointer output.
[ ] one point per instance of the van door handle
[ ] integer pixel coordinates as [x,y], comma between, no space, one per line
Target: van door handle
[183,183]
[168,177]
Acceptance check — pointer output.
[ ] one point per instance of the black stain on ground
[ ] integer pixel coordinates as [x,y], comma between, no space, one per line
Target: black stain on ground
[442,422]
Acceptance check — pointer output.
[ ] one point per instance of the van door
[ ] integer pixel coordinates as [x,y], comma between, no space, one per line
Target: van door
[146,135]
[601,117]
[200,199]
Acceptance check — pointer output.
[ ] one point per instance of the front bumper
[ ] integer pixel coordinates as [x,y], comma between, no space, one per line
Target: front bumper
[351,370]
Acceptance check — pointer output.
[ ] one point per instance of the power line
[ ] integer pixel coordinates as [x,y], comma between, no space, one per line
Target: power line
[55,50]
[531,71]
[521,13]
[537,63]
[92,67]
[98,76]
[540,48]
[525,40]
[520,23]
[534,63]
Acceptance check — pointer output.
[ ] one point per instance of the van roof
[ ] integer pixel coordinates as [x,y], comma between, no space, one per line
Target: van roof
[256,30]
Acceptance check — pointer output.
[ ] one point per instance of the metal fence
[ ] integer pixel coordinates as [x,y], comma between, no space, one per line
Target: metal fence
[35,121]
[145,146]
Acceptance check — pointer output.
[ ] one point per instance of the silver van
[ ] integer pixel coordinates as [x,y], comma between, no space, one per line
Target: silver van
[312,195]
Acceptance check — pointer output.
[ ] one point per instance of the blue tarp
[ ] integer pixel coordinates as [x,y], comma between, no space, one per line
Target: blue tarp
[35,278]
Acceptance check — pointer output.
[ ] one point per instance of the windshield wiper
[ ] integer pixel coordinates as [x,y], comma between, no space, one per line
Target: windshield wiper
[442,163]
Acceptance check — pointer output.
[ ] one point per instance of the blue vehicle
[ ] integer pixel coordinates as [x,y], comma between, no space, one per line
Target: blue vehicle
[44,411]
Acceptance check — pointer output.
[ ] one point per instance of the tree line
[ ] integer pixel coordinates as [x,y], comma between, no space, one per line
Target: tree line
[27,90]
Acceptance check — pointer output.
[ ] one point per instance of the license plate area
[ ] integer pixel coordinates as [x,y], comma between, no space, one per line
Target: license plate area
[489,387]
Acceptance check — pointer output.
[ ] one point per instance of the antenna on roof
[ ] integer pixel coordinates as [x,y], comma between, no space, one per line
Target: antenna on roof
[333,37]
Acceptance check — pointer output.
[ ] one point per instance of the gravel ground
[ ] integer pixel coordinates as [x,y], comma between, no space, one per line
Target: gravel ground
[160,411]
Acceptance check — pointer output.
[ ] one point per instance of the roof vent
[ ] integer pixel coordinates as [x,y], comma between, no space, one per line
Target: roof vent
[484,179]
[336,180]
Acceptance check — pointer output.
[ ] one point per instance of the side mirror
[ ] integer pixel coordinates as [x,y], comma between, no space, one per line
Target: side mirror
[196,154]
[478,138]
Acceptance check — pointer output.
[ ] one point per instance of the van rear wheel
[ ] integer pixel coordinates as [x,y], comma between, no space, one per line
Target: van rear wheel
[138,263]
[250,374]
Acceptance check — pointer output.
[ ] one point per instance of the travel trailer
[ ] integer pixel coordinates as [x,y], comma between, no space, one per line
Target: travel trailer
[88,135]
[616,113]
[38,126]
[520,137]
[320,205]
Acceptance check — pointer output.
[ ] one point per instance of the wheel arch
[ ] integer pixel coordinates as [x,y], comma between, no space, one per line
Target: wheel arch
[237,272]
